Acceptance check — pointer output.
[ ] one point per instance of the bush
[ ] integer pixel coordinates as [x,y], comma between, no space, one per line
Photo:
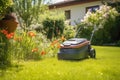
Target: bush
[27,45]
[103,22]
[53,25]
[4,47]
[69,32]
[4,4]
[33,46]
[84,32]
[118,43]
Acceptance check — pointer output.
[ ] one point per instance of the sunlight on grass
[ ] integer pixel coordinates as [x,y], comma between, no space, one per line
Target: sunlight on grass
[104,67]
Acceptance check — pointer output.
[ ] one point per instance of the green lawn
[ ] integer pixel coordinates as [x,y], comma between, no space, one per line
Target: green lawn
[105,67]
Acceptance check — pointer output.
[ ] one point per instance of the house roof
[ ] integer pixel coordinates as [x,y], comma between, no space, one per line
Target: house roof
[69,3]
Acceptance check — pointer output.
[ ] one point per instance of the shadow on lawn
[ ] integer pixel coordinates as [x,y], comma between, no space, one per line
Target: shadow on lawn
[6,69]
[78,60]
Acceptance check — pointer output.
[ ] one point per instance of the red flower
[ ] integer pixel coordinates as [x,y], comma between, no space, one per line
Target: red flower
[4,32]
[54,42]
[12,34]
[58,45]
[9,36]
[35,50]
[43,52]
[31,34]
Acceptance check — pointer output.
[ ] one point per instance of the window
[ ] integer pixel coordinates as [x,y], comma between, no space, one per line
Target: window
[67,14]
[92,8]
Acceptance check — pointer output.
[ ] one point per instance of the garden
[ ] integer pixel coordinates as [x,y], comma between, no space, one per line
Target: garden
[104,67]
[31,36]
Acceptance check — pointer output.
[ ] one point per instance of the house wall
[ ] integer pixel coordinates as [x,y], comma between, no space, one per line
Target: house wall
[78,11]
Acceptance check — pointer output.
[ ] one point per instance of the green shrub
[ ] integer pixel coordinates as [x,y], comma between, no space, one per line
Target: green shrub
[69,32]
[27,45]
[103,22]
[118,43]
[84,32]
[4,4]
[53,25]
[5,57]
[33,46]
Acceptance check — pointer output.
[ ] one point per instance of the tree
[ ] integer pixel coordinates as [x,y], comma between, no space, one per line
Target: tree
[4,4]
[27,11]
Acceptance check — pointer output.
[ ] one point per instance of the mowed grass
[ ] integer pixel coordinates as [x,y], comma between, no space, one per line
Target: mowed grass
[105,67]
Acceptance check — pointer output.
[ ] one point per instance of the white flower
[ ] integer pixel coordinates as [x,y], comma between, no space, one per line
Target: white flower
[99,11]
[82,20]
[101,7]
[105,15]
[100,18]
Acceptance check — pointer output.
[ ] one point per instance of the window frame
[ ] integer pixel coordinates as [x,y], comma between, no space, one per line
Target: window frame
[67,14]
[92,8]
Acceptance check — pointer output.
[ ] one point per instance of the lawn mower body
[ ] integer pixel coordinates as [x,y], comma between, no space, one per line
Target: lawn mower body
[76,48]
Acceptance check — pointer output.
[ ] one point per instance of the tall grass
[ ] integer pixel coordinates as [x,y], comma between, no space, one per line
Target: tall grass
[104,67]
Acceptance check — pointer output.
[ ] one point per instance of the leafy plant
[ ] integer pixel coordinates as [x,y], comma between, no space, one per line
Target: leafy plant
[69,31]
[33,46]
[102,22]
[26,46]
[4,47]
[4,4]
[53,25]
[28,11]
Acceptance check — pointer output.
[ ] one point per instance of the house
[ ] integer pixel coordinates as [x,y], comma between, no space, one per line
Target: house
[75,10]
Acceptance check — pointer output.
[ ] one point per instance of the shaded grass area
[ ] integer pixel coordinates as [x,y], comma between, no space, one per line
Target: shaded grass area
[105,67]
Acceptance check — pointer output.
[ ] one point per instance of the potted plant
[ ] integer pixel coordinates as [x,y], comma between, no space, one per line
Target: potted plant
[9,23]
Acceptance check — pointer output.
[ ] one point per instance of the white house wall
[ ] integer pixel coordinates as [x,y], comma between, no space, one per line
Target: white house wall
[78,11]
